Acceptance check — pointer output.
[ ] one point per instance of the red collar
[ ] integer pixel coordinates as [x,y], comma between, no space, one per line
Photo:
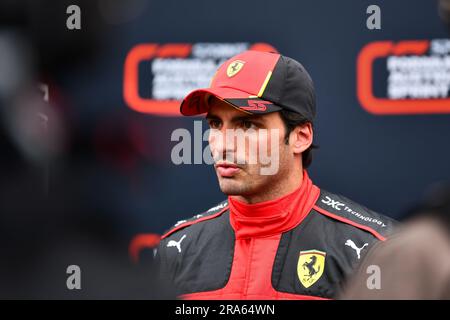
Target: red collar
[274,216]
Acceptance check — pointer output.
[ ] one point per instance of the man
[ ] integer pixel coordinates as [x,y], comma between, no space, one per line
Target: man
[277,236]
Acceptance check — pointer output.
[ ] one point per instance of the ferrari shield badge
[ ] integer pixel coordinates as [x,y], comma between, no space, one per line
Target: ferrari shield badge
[234,67]
[310,266]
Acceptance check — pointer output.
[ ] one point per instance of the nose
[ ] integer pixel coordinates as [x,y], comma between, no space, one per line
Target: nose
[219,145]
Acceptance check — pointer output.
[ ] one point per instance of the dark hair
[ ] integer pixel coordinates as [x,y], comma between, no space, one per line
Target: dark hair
[291,120]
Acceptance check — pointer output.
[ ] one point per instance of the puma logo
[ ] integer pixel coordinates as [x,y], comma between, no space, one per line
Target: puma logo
[173,243]
[352,245]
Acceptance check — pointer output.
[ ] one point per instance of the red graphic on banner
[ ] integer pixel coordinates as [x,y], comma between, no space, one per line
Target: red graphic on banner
[385,106]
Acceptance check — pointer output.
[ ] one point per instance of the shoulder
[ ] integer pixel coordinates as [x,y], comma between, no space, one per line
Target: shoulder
[208,215]
[342,209]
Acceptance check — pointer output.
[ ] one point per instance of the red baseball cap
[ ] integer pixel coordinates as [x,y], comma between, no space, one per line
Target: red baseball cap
[257,82]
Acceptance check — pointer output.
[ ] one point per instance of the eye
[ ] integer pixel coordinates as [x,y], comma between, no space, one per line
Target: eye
[214,123]
[247,124]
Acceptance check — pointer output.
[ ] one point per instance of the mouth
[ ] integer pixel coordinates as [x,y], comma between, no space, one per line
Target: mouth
[226,169]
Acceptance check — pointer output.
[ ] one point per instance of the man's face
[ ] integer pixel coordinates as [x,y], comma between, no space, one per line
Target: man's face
[252,167]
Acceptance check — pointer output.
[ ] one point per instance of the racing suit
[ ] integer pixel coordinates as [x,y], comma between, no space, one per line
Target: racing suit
[300,246]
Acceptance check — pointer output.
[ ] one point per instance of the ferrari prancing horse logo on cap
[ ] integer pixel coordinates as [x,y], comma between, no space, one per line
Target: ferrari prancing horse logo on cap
[234,67]
[310,266]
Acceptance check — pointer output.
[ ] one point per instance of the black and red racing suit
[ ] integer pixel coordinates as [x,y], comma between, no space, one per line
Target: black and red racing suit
[300,246]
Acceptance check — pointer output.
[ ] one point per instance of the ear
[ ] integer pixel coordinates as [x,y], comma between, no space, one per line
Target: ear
[301,138]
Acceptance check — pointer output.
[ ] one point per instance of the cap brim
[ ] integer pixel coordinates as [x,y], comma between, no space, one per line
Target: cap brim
[196,102]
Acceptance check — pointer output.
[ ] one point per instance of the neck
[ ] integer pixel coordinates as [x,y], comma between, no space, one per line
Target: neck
[273,216]
[283,187]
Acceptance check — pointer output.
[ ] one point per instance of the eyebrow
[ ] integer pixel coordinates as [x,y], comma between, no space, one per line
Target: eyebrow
[211,116]
[237,118]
